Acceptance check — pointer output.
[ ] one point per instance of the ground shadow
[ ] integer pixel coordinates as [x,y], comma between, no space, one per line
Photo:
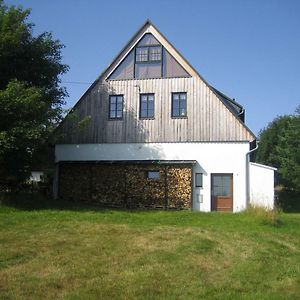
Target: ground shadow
[36,201]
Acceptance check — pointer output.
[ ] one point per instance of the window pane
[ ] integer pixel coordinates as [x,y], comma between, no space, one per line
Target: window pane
[144,106]
[222,185]
[198,179]
[150,113]
[119,114]
[120,99]
[119,106]
[144,98]
[226,191]
[141,54]
[182,103]
[150,98]
[226,180]
[155,53]
[112,114]
[143,113]
[113,106]
[217,181]
[153,175]
[217,191]
[176,96]
[175,112]
[151,105]
[182,112]
[176,104]
[182,96]
[226,185]
[112,100]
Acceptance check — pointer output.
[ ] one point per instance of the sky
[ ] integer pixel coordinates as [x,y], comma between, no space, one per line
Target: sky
[247,49]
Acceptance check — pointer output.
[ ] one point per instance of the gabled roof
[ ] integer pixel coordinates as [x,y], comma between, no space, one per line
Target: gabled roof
[236,108]
[148,27]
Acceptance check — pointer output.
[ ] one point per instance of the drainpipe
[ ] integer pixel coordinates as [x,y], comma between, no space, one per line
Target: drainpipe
[248,174]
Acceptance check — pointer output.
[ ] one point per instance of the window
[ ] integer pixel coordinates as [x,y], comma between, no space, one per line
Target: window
[179,105]
[146,106]
[148,54]
[153,175]
[141,54]
[116,106]
[222,185]
[155,53]
[199,180]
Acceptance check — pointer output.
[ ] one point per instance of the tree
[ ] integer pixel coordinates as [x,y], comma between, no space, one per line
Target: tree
[30,96]
[280,146]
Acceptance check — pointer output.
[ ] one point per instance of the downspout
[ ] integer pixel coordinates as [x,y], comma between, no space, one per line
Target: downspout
[248,174]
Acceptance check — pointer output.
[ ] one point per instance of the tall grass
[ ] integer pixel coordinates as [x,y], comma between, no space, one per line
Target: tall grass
[265,216]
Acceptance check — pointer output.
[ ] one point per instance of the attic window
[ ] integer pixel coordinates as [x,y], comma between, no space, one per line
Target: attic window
[155,53]
[148,54]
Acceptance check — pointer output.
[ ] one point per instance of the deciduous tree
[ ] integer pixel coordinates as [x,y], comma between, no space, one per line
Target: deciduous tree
[31,98]
[280,146]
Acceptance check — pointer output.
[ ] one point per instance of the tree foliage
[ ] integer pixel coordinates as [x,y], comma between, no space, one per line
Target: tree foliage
[280,147]
[31,98]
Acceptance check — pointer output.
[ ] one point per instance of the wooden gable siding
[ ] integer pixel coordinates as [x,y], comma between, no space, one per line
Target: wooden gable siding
[208,119]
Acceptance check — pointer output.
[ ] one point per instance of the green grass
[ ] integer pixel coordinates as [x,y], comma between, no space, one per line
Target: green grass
[51,250]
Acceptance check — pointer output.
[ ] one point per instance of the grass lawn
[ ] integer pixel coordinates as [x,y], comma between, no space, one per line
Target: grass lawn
[66,251]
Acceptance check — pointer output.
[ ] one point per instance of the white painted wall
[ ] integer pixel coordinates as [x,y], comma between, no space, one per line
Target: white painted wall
[210,157]
[261,185]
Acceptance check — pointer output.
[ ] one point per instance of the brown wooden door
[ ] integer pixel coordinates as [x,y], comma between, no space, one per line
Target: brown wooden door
[221,192]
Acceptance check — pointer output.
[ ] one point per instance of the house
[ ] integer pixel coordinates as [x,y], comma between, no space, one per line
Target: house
[156,134]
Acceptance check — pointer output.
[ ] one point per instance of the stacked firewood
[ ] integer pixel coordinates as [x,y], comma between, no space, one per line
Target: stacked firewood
[126,185]
[179,187]
[74,182]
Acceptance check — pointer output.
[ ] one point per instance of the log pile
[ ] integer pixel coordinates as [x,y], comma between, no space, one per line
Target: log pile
[126,185]
[108,185]
[74,182]
[142,191]
[179,187]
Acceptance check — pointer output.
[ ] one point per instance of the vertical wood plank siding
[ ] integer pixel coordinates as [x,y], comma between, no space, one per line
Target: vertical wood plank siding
[208,119]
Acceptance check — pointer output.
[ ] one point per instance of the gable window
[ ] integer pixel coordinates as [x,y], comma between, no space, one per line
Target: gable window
[155,53]
[179,105]
[115,107]
[141,54]
[146,106]
[148,54]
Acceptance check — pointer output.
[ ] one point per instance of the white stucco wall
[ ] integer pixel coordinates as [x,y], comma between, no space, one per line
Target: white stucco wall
[210,157]
[261,185]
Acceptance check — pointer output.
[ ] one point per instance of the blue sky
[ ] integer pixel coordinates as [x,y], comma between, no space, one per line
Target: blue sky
[249,50]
